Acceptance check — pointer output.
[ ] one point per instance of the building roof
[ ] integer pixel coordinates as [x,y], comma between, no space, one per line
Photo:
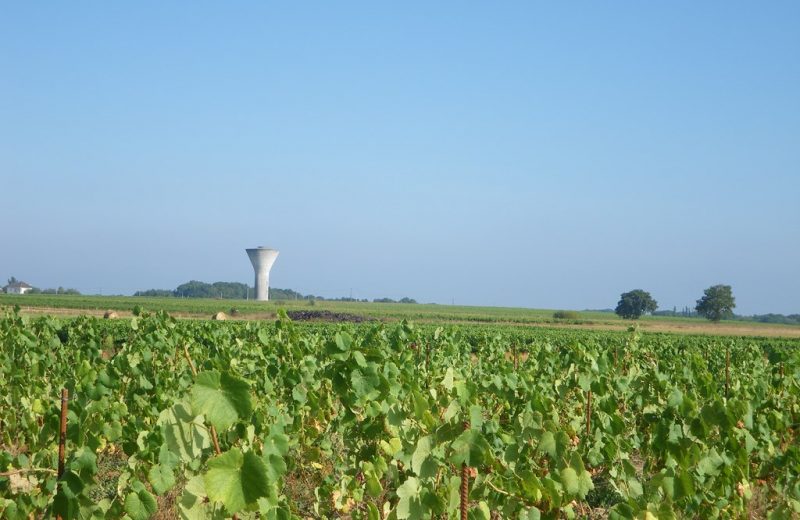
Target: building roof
[18,285]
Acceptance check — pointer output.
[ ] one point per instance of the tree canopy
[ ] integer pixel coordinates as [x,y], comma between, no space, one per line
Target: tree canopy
[717,303]
[633,304]
[228,290]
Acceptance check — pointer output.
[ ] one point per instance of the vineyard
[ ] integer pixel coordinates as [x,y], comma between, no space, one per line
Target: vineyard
[171,418]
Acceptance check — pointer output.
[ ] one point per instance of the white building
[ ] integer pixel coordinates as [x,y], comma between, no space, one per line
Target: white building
[17,288]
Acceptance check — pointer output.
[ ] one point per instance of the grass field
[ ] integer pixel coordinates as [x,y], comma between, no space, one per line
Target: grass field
[422,313]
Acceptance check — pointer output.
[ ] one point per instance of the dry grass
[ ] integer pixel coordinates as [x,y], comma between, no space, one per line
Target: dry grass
[168,504]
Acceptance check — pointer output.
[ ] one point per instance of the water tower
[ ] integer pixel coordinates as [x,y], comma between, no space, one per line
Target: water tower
[262,259]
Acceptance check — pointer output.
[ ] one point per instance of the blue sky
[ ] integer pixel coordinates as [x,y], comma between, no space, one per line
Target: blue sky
[509,153]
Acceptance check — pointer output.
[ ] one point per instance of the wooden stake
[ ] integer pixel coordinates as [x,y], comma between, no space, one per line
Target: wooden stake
[464,492]
[428,361]
[588,415]
[62,436]
[465,485]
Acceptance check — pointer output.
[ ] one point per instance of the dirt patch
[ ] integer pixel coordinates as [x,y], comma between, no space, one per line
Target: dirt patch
[110,465]
[337,317]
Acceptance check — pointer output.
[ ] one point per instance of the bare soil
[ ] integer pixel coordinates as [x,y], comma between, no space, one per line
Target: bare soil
[326,316]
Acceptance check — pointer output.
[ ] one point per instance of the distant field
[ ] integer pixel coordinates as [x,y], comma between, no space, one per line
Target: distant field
[424,313]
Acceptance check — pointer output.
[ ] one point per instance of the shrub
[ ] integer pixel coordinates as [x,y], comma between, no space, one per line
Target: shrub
[566,315]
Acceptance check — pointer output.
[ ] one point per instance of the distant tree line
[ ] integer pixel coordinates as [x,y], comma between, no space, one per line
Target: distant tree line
[224,290]
[685,312]
[241,291]
[37,290]
[60,290]
[791,319]
[716,304]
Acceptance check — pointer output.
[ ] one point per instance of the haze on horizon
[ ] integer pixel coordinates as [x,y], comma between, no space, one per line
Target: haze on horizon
[517,155]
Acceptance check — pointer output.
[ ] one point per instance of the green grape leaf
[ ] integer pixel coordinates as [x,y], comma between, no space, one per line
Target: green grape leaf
[372,512]
[275,465]
[470,448]
[373,486]
[184,433]
[710,464]
[277,443]
[683,485]
[343,341]
[409,505]
[236,479]
[84,461]
[167,457]
[222,398]
[532,514]
[192,504]
[359,358]
[575,479]
[448,381]
[569,479]
[421,453]
[547,444]
[161,478]
[70,484]
[140,504]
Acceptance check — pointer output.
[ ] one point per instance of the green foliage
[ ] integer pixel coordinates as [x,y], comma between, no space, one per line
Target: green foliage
[223,290]
[332,421]
[60,290]
[791,319]
[389,300]
[236,479]
[566,315]
[227,290]
[222,398]
[155,293]
[140,504]
[717,303]
[633,304]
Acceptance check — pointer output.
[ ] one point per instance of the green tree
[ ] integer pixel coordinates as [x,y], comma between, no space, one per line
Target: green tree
[634,303]
[717,303]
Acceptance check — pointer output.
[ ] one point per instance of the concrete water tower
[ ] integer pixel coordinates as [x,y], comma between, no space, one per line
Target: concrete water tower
[262,259]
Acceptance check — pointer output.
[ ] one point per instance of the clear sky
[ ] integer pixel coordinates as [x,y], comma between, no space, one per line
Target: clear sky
[547,155]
